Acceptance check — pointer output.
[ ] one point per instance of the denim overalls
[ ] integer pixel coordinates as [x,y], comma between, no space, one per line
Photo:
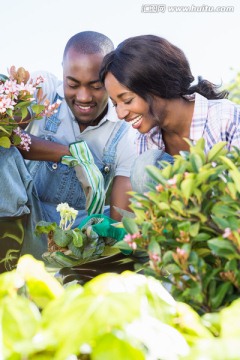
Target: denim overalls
[57,183]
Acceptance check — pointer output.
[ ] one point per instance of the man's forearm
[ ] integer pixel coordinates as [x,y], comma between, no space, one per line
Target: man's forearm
[45,150]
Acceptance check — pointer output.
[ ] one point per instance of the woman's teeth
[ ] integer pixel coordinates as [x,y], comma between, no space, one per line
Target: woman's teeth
[136,120]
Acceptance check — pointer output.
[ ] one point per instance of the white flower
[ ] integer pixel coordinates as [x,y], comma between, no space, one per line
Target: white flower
[67,214]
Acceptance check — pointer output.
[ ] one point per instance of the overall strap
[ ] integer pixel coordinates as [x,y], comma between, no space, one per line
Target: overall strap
[53,121]
[109,152]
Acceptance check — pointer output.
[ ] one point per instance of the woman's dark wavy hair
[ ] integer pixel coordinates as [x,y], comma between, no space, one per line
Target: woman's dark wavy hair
[151,66]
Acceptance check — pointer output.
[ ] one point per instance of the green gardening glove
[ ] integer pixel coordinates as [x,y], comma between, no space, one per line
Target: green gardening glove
[103,226]
[88,175]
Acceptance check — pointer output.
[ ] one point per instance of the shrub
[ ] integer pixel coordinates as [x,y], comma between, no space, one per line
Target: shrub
[189,224]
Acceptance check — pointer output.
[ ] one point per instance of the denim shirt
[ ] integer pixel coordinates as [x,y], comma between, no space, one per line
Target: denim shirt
[19,199]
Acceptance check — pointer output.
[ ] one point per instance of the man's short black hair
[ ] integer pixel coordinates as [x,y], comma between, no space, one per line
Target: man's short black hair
[89,42]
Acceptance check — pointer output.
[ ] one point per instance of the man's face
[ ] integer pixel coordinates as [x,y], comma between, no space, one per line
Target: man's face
[83,91]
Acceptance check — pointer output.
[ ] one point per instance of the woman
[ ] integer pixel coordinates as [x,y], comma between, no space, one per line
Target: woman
[149,81]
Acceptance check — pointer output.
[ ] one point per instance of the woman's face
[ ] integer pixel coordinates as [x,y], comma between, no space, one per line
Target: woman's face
[129,106]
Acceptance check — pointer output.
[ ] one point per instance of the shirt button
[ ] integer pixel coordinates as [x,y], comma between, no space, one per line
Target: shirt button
[106,169]
[54,166]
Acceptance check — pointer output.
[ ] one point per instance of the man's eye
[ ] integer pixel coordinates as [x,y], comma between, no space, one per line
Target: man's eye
[73,86]
[97,87]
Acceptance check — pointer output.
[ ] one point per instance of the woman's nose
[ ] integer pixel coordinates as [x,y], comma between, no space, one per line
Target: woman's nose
[121,112]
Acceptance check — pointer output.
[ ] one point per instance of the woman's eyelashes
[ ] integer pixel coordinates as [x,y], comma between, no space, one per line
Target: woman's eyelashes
[126,102]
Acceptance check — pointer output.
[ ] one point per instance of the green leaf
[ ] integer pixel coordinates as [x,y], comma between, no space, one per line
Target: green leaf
[228,162]
[232,189]
[24,112]
[190,323]
[222,247]
[196,162]
[200,145]
[5,130]
[130,225]
[122,245]
[20,322]
[5,142]
[221,210]
[154,247]
[23,104]
[202,237]
[194,229]
[212,322]
[220,293]
[77,237]
[42,287]
[216,151]
[203,252]
[221,223]
[156,174]
[16,140]
[111,347]
[187,187]
[62,238]
[177,206]
[37,109]
[229,324]
[173,269]
[236,178]
[44,227]
[163,206]
[3,77]
[95,304]
[167,257]
[184,225]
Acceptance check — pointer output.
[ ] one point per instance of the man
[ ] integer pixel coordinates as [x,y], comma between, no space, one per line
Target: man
[84,114]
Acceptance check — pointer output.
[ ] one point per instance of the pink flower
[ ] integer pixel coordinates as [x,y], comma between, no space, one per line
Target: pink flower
[18,94]
[227,233]
[154,257]
[130,240]
[6,103]
[172,181]
[25,139]
[159,187]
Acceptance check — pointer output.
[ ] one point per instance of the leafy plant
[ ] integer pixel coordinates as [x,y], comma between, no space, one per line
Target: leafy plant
[234,89]
[66,246]
[128,316]
[189,224]
[18,106]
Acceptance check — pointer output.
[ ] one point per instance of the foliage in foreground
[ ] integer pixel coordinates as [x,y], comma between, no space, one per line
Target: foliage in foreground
[234,89]
[127,316]
[189,225]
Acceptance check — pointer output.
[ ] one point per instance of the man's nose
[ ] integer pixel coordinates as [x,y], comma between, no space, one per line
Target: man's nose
[84,95]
